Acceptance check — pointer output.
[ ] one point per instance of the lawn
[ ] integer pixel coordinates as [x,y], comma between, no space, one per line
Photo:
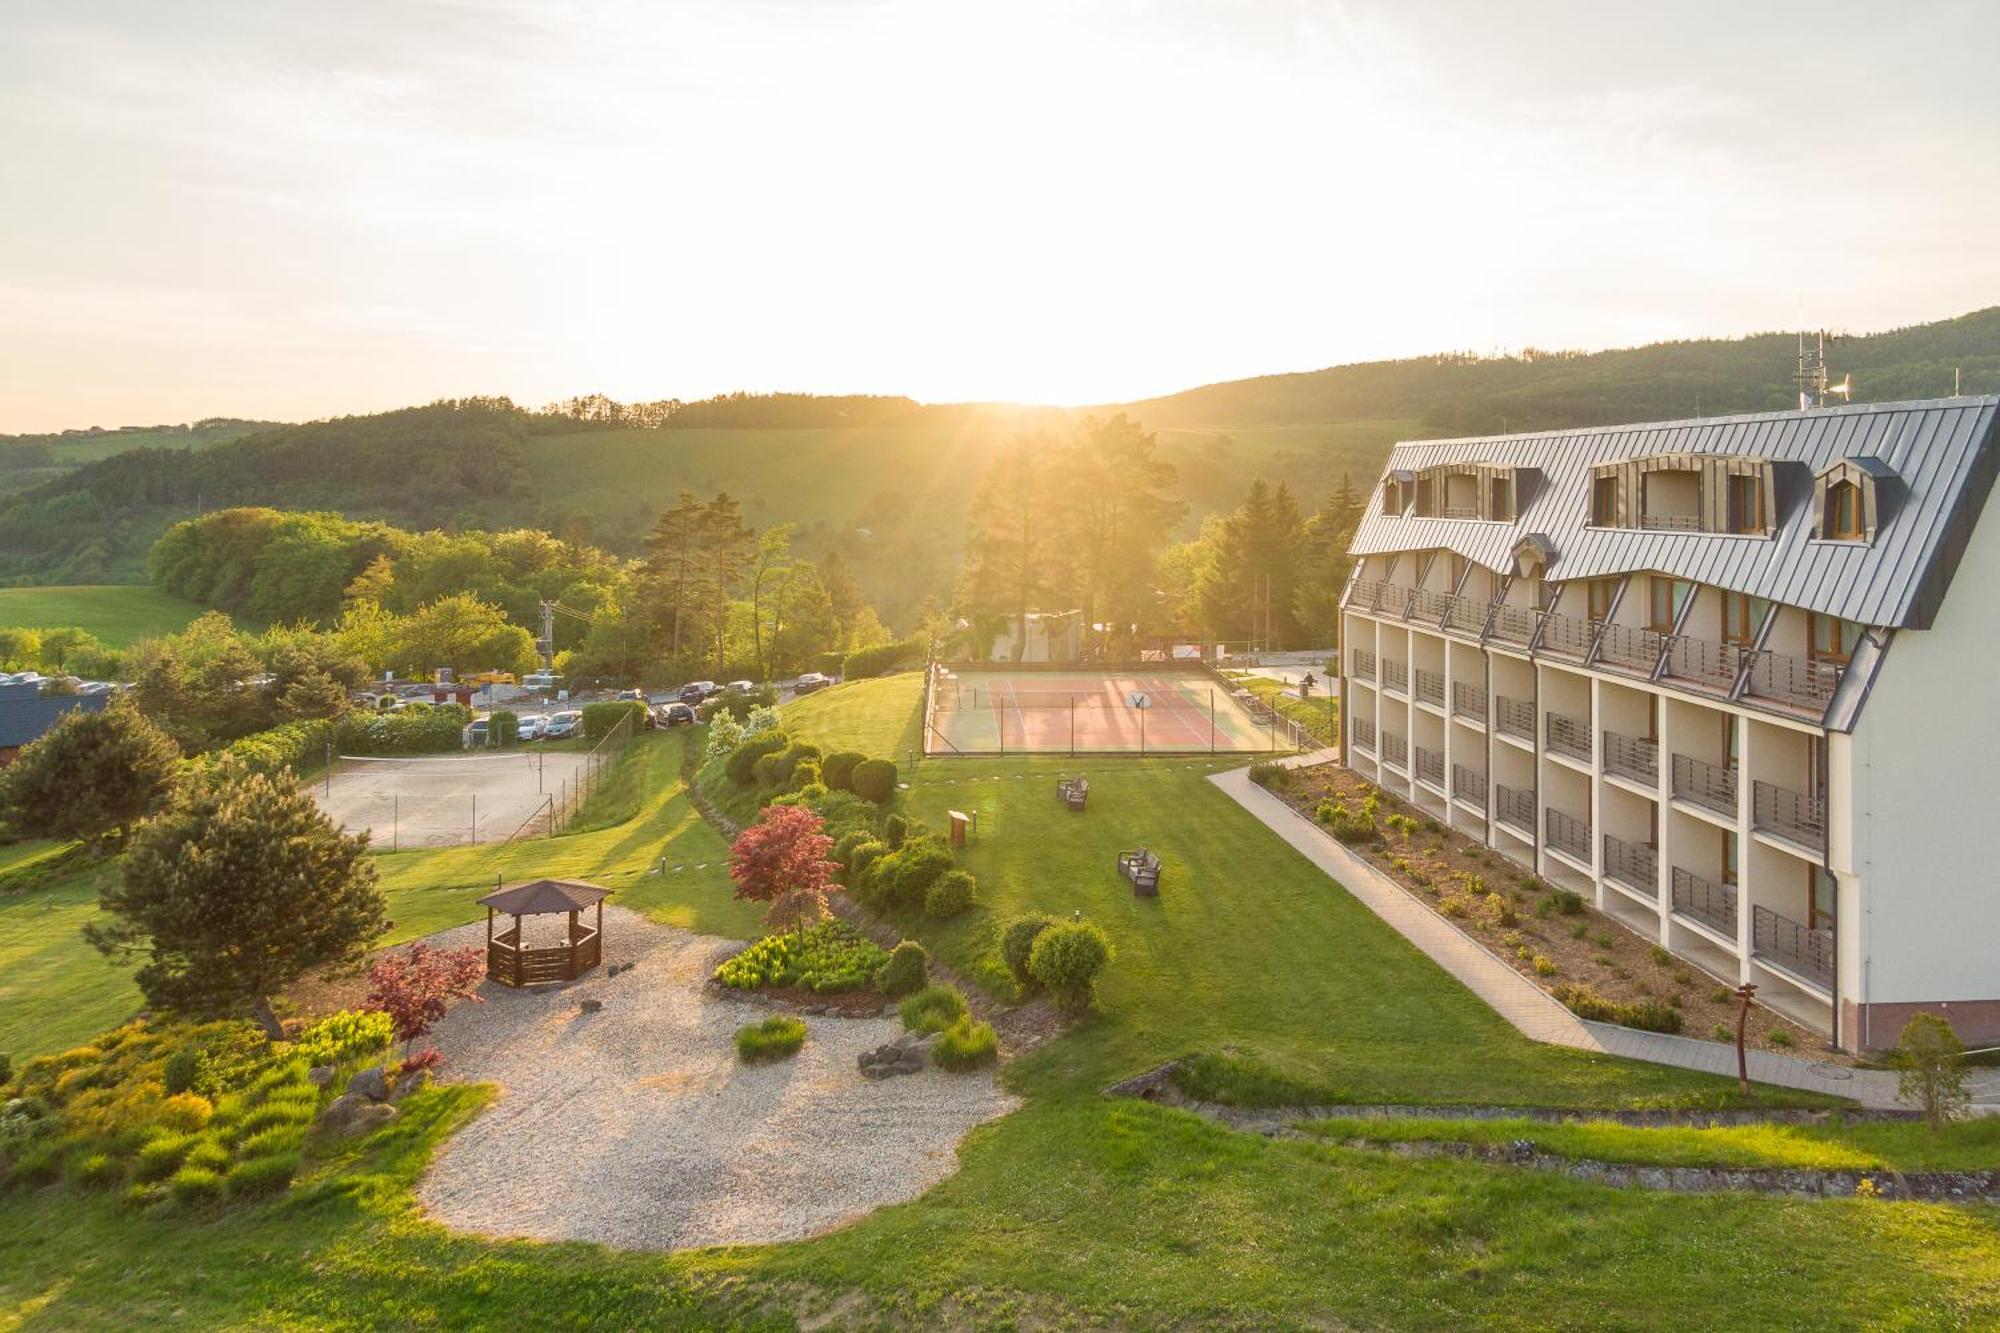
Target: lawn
[119,614]
[881,718]
[1319,715]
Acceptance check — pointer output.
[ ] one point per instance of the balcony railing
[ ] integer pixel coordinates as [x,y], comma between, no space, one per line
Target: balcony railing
[1633,864]
[1710,786]
[1430,767]
[1714,905]
[1364,664]
[1704,661]
[1791,815]
[1395,675]
[1461,511]
[1793,680]
[1470,701]
[1395,749]
[1566,635]
[1363,732]
[1430,686]
[1427,606]
[1632,757]
[1513,624]
[1568,835]
[1570,735]
[1671,522]
[1516,807]
[1788,944]
[1630,647]
[1469,785]
[1467,615]
[1514,717]
[1364,593]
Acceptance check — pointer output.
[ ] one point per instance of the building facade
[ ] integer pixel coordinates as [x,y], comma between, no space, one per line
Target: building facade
[1726,678]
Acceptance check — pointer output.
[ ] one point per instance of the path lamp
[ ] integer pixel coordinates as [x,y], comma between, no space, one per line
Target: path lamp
[1743,994]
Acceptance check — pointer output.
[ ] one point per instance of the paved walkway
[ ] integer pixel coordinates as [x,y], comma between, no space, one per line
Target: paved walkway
[1520,1001]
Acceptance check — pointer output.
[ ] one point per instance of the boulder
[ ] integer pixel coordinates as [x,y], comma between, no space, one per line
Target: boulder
[320,1075]
[590,1006]
[371,1083]
[352,1114]
[415,1081]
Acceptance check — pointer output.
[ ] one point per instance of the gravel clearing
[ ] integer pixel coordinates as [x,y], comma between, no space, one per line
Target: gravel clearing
[637,1126]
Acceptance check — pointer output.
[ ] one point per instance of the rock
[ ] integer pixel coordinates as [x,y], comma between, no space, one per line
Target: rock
[350,1113]
[590,1006]
[815,1011]
[371,1083]
[320,1075]
[410,1083]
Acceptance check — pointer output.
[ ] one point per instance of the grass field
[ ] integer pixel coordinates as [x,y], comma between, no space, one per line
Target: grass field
[877,717]
[119,614]
[1319,715]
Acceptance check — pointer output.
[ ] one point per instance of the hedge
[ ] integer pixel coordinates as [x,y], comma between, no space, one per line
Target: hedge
[405,731]
[883,657]
[741,766]
[600,718]
[502,729]
[295,745]
[837,769]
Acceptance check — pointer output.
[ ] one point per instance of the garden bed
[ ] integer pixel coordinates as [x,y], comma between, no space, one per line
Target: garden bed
[1554,938]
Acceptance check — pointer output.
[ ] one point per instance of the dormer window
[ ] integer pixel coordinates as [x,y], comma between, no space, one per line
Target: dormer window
[1670,500]
[1604,501]
[1848,499]
[1500,500]
[1746,504]
[1843,513]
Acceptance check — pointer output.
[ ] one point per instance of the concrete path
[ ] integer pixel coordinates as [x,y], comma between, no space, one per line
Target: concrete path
[1520,1001]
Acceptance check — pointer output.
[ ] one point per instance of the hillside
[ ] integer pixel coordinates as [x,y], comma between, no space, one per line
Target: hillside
[887,480]
[118,615]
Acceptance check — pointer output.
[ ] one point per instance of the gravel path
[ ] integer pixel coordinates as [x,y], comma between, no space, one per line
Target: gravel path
[637,1127]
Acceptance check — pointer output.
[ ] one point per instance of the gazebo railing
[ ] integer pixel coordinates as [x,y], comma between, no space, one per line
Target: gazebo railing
[510,964]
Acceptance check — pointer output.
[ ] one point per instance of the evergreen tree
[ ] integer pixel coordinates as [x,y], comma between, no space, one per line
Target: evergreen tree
[90,775]
[1118,510]
[1011,566]
[1246,590]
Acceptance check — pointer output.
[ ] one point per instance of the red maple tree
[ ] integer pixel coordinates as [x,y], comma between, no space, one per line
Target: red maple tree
[782,860]
[415,986]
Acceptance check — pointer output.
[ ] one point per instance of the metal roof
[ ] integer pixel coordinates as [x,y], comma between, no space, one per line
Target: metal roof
[542,896]
[1941,451]
[26,714]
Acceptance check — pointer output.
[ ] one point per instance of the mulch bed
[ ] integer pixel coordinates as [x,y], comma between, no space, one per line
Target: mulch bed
[1457,876]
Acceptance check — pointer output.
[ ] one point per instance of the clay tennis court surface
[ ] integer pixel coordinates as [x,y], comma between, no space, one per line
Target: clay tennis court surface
[1002,711]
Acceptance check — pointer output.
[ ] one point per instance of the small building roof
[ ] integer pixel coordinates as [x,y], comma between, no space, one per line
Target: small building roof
[26,713]
[542,896]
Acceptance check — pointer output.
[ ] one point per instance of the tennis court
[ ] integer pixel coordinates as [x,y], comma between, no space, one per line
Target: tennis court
[1146,709]
[443,802]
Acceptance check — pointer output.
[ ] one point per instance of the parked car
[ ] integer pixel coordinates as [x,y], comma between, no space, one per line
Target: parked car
[812,680]
[674,715]
[742,686]
[563,725]
[533,725]
[475,735]
[632,696]
[540,680]
[695,691]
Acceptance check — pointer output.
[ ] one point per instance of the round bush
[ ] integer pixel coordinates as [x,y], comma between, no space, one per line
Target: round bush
[906,876]
[261,1175]
[861,860]
[206,1155]
[837,769]
[896,831]
[195,1184]
[161,1156]
[1018,940]
[950,896]
[186,1111]
[875,780]
[741,765]
[966,1044]
[765,771]
[181,1071]
[773,1038]
[844,845]
[1066,959]
[906,971]
[933,1009]
[806,776]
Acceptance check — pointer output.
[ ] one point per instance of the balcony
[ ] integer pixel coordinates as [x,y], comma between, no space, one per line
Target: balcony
[1470,701]
[1427,606]
[1629,647]
[1430,687]
[1362,733]
[1469,785]
[1796,681]
[1570,736]
[1364,664]
[1467,616]
[1461,511]
[1793,816]
[1633,864]
[1430,767]
[1566,635]
[1395,750]
[1714,905]
[1710,786]
[1513,624]
[1671,522]
[1633,758]
[1516,718]
[1798,949]
[1516,808]
[1395,675]
[1705,662]
[1569,835]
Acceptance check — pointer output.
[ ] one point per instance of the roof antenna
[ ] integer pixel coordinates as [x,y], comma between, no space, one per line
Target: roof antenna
[1812,377]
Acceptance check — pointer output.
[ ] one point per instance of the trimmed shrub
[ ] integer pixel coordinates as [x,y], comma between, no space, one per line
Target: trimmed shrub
[832,956]
[1647,1015]
[861,862]
[949,896]
[837,769]
[883,657]
[1018,941]
[271,1115]
[295,745]
[875,780]
[161,1156]
[207,1155]
[406,731]
[261,1175]
[195,1184]
[933,1009]
[348,1035]
[765,771]
[844,845]
[181,1071]
[906,971]
[742,764]
[276,1139]
[806,777]
[186,1111]
[600,718]
[896,831]
[772,1038]
[903,878]
[503,728]
[1066,960]
[966,1044]
[1567,902]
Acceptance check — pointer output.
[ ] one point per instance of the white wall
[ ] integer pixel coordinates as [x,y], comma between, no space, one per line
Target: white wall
[1924,763]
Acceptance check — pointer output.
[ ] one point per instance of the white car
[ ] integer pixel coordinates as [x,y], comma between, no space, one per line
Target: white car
[742,687]
[563,725]
[533,725]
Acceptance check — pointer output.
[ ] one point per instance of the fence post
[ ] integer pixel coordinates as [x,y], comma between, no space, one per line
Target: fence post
[1211,719]
[395,822]
[1072,726]
[475,819]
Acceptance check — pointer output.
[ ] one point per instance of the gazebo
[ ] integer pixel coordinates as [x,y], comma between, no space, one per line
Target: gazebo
[508,963]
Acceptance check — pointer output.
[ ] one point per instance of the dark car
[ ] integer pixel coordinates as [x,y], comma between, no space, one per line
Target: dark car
[811,681]
[674,715]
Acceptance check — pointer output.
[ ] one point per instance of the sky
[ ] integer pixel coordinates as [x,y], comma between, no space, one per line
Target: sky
[289,211]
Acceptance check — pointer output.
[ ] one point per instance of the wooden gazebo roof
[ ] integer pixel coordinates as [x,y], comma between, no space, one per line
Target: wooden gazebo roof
[542,896]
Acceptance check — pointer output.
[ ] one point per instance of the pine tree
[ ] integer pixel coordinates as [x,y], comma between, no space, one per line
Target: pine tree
[89,775]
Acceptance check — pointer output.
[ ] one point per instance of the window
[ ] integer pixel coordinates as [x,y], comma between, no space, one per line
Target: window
[1604,502]
[1728,856]
[1601,592]
[1741,617]
[1500,499]
[1392,498]
[1824,891]
[1730,755]
[1829,638]
[1843,513]
[1667,596]
[1746,504]
[1426,507]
